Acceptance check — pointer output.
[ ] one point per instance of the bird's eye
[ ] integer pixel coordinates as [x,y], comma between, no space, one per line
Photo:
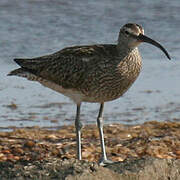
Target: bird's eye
[126,32]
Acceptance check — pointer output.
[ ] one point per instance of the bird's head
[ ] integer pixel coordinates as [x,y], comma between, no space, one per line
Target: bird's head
[131,35]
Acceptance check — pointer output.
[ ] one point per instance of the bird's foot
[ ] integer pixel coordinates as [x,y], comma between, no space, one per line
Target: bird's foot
[104,162]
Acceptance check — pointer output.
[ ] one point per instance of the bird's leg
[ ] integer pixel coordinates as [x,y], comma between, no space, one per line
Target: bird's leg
[78,126]
[100,127]
[103,159]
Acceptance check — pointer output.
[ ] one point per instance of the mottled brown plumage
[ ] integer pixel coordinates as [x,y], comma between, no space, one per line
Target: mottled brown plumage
[97,72]
[93,73]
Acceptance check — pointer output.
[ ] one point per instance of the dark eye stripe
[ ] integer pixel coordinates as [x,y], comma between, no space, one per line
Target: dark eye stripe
[126,32]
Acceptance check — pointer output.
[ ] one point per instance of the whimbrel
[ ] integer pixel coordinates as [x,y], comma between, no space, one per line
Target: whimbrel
[91,73]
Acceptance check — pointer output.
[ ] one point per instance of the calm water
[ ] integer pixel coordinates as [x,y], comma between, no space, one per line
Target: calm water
[37,27]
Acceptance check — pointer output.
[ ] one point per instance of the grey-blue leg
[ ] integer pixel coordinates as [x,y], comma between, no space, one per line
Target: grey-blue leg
[103,159]
[78,127]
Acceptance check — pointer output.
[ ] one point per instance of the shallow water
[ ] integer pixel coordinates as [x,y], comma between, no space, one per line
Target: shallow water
[36,27]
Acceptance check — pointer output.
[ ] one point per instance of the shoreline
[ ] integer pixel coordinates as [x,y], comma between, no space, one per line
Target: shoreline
[34,152]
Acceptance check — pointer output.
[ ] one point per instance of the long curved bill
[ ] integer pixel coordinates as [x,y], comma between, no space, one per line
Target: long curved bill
[146,39]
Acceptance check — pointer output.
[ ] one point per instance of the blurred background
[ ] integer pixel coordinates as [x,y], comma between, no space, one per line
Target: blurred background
[30,28]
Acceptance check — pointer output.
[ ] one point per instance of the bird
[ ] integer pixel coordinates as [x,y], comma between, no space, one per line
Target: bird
[90,73]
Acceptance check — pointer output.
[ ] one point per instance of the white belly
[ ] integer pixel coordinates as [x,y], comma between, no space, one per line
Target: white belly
[73,94]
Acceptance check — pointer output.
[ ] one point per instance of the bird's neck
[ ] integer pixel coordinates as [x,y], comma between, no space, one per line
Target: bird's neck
[124,50]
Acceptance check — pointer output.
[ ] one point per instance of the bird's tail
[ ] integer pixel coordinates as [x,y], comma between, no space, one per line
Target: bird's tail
[17,72]
[25,63]
[20,71]
[27,69]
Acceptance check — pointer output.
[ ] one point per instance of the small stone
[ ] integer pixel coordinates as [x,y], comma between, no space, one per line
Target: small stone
[177,152]
[1,155]
[29,144]
[51,136]
[4,158]
[18,151]
[119,158]
[16,158]
[6,151]
[86,153]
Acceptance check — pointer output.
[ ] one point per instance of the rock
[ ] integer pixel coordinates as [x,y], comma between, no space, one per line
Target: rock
[147,168]
[137,169]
